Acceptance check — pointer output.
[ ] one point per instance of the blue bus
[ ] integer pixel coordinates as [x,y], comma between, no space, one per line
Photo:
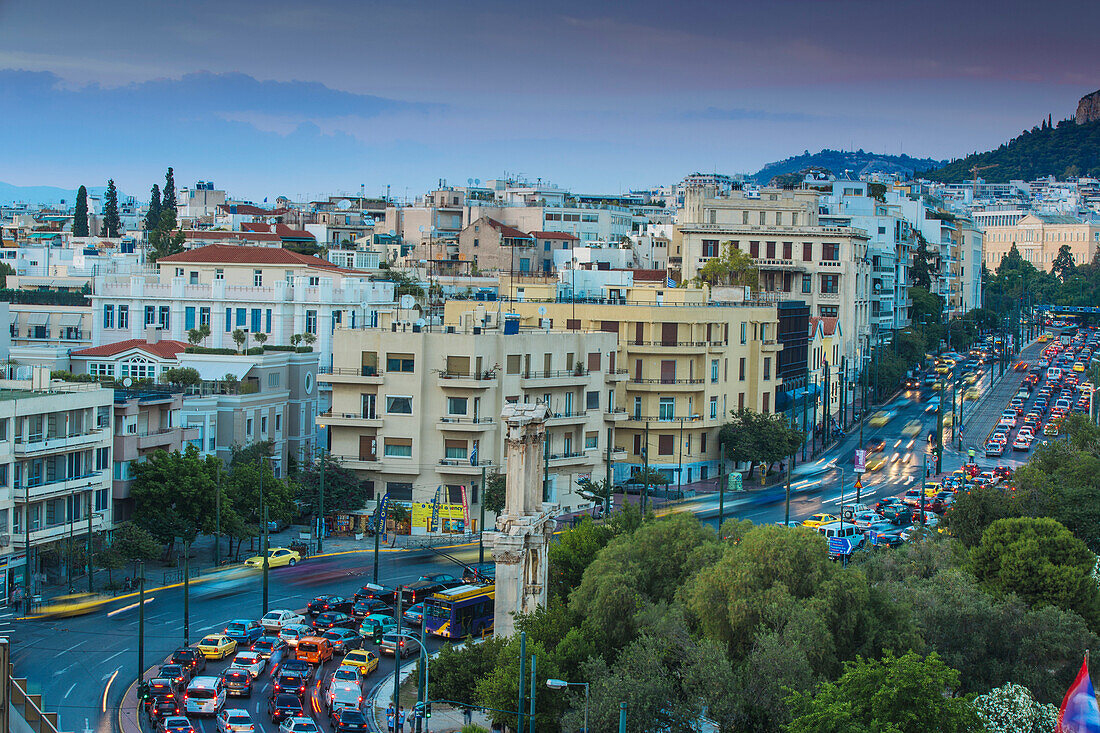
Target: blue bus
[459,612]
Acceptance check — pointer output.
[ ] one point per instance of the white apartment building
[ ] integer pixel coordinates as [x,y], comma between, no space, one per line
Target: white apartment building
[955,245]
[415,411]
[266,290]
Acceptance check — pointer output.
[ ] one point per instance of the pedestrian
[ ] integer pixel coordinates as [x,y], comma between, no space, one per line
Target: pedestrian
[390,718]
[400,720]
[467,715]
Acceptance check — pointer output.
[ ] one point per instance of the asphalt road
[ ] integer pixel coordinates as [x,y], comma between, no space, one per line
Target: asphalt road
[83,665]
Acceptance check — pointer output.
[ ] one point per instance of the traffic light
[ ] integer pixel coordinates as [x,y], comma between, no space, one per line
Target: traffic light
[143,691]
[427,710]
[376,635]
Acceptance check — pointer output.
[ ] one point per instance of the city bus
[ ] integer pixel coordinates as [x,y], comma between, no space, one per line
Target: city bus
[458,612]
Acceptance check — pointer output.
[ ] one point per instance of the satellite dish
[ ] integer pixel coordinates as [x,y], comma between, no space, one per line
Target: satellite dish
[407,301]
[343,204]
[420,322]
[127,382]
[469,181]
[421,227]
[393,233]
[542,310]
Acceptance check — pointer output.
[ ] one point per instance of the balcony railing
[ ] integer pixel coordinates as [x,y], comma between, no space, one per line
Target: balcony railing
[349,415]
[663,380]
[571,454]
[554,374]
[468,375]
[365,371]
[467,420]
[663,418]
[464,462]
[674,343]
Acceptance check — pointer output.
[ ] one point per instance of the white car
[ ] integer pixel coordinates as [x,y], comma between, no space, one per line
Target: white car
[276,620]
[291,633]
[251,662]
[345,674]
[864,520]
[298,725]
[235,720]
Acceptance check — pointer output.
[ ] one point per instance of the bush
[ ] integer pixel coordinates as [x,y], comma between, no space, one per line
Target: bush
[208,350]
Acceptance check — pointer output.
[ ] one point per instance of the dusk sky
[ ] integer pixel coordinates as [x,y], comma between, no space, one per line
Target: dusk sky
[310,98]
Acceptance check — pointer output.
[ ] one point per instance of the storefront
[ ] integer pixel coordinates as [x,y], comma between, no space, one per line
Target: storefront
[13,567]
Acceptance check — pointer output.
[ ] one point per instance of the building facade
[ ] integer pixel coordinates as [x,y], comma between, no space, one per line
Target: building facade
[1038,237]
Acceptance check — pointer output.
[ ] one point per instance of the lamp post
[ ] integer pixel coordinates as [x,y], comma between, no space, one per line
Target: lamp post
[562,684]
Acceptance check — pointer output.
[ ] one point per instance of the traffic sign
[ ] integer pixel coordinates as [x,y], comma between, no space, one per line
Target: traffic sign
[861,460]
[859,484]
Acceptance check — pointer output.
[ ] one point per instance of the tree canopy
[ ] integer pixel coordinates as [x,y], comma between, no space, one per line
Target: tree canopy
[112,224]
[730,267]
[754,437]
[80,213]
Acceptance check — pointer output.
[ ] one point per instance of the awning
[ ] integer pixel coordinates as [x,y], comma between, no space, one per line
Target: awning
[71,320]
[38,319]
[215,371]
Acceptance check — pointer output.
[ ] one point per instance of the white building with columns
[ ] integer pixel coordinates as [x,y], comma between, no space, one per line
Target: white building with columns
[267,290]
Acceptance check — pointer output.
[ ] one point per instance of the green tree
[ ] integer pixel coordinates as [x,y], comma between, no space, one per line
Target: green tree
[455,672]
[495,492]
[108,558]
[1064,266]
[260,338]
[164,243]
[134,544]
[248,487]
[152,214]
[906,694]
[920,273]
[80,213]
[112,225]
[251,453]
[5,270]
[194,337]
[344,491]
[174,494]
[182,376]
[974,510]
[730,267]
[754,437]
[574,551]
[239,337]
[927,308]
[168,202]
[1013,709]
[1041,561]
[598,491]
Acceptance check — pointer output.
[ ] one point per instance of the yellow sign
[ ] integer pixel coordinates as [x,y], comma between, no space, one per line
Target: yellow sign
[450,516]
[859,484]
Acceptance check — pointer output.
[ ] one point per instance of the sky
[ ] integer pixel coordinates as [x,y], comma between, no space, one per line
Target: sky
[304,99]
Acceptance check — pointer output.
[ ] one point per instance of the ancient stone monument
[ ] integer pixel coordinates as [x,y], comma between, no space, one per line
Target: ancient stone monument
[524,528]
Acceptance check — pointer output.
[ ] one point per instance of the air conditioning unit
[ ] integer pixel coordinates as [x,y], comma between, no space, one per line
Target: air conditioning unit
[5,540]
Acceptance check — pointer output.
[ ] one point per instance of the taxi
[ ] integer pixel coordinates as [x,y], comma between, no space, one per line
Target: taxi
[217,646]
[366,661]
[972,393]
[816,520]
[880,418]
[1079,366]
[76,604]
[277,557]
[876,463]
[911,428]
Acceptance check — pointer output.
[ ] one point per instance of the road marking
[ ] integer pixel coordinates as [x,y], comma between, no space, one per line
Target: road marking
[69,691]
[66,651]
[106,690]
[114,655]
[132,605]
[207,628]
[908,480]
[60,672]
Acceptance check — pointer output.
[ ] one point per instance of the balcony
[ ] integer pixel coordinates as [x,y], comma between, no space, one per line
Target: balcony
[830,264]
[359,463]
[566,418]
[165,438]
[829,297]
[41,444]
[347,375]
[462,466]
[572,458]
[770,345]
[44,489]
[349,419]
[683,347]
[559,378]
[642,419]
[467,380]
[465,424]
[667,384]
[779,264]
[615,376]
[616,415]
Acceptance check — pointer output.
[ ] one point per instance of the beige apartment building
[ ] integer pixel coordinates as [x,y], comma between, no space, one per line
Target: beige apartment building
[414,412]
[683,362]
[825,266]
[1038,237]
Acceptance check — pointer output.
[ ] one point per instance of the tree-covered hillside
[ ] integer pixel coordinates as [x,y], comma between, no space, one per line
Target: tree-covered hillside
[838,161]
[1066,150]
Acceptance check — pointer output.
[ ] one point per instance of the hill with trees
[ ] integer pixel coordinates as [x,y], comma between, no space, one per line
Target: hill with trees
[838,161]
[1065,150]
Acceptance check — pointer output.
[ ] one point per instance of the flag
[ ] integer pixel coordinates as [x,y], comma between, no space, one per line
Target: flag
[671,283]
[473,455]
[1079,712]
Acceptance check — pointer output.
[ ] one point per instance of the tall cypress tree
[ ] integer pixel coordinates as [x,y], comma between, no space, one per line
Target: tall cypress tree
[168,202]
[111,222]
[152,216]
[80,213]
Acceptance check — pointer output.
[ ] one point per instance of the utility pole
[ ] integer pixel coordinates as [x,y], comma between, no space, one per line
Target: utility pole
[265,563]
[721,487]
[546,469]
[939,426]
[397,641]
[187,594]
[522,675]
[844,392]
[321,506]
[141,622]
[91,497]
[218,515]
[379,525]
[607,499]
[534,686]
[480,527]
[680,465]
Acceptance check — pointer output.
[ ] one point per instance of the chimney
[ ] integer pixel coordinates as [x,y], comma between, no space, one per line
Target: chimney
[152,334]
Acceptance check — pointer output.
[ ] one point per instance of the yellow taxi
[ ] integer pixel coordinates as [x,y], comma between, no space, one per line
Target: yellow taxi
[971,378]
[911,428]
[880,418]
[874,464]
[1044,337]
[942,369]
[1079,366]
[948,419]
[76,604]
[937,386]
[366,661]
[972,394]
[277,557]
[217,646]
[931,488]
[816,520]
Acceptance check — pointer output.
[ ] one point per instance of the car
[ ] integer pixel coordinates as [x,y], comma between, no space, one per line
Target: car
[863,520]
[164,687]
[367,661]
[297,666]
[315,650]
[1021,443]
[437,578]
[237,682]
[891,538]
[332,620]
[277,557]
[217,646]
[298,725]
[320,604]
[1003,471]
[388,624]
[291,633]
[898,513]
[349,720]
[913,427]
[372,591]
[881,503]
[164,707]
[175,724]
[367,606]
[972,393]
[816,520]
[269,647]
[346,674]
[1078,366]
[205,696]
[276,620]
[343,640]
[250,662]
[874,445]
[234,720]
[879,419]
[292,682]
[179,673]
[191,658]
[990,478]
[283,706]
[875,463]
[243,631]
[392,643]
[913,497]
[414,614]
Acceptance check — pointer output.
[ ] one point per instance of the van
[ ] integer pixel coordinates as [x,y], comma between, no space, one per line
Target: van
[840,529]
[204,696]
[314,649]
[345,695]
[1054,374]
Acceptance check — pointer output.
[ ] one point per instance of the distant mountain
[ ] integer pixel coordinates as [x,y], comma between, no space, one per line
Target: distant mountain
[838,161]
[10,194]
[1066,150]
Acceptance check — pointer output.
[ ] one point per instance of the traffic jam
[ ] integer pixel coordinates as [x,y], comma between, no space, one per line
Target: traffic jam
[298,671]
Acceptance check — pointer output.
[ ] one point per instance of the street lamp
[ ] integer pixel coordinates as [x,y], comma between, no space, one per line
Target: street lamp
[562,684]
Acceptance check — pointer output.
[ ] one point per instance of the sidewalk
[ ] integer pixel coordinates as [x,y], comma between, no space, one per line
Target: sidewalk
[444,717]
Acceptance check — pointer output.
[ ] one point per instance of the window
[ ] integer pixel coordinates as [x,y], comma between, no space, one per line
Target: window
[787,250]
[807,251]
[124,316]
[710,247]
[830,251]
[807,283]
[228,320]
[278,422]
[108,316]
[830,283]
[242,317]
[767,367]
[714,371]
[741,370]
[267,320]
[398,448]
[258,278]
[667,408]
[219,274]
[744,333]
[263,425]
[766,406]
[713,408]
[313,281]
[102,499]
[637,408]
[248,427]
[204,317]
[150,315]
[592,400]
[754,249]
[273,379]
[255,324]
[4,429]
[311,321]
[771,250]
[189,317]
[164,319]
[179,272]
[828,311]
[455,449]
[591,440]
[457,405]
[399,405]
[403,363]
[666,445]
[193,278]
